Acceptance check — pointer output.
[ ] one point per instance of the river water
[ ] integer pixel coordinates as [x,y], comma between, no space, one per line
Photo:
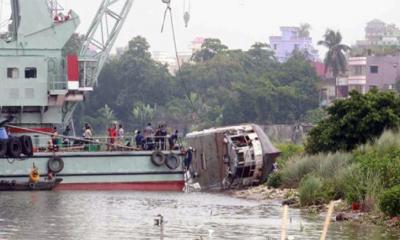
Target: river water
[131,215]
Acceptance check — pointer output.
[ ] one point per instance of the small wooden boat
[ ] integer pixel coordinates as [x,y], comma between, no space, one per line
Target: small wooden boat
[29,186]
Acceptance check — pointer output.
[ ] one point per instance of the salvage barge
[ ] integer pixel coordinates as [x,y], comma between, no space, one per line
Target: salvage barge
[41,86]
[231,157]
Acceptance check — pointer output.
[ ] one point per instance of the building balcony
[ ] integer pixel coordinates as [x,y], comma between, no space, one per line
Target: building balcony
[357,80]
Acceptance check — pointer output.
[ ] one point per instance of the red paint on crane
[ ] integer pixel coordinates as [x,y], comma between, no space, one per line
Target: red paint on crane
[73,68]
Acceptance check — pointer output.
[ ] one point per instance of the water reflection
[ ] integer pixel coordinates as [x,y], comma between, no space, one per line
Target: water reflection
[130,215]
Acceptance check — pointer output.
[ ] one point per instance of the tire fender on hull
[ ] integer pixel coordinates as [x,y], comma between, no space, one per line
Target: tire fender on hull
[55,164]
[3,147]
[158,158]
[172,161]
[14,149]
[27,146]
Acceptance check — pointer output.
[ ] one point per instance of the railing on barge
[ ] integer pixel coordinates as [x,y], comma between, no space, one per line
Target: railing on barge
[96,144]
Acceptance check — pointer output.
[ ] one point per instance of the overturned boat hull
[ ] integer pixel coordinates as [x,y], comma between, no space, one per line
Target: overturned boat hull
[231,157]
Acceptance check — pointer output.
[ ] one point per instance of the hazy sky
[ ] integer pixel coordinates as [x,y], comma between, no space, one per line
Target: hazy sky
[240,23]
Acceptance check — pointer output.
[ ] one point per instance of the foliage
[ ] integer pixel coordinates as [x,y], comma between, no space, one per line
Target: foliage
[310,191]
[224,87]
[73,45]
[143,113]
[359,176]
[274,180]
[335,59]
[304,30]
[209,49]
[390,201]
[378,50]
[287,151]
[355,121]
[314,116]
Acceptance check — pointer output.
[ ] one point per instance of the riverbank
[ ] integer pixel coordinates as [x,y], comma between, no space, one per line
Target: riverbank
[342,211]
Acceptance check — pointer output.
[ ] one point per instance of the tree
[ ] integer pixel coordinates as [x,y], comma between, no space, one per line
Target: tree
[335,58]
[143,113]
[355,121]
[73,45]
[209,49]
[304,30]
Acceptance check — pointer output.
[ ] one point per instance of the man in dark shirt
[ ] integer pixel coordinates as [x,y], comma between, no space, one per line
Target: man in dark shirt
[172,140]
[139,140]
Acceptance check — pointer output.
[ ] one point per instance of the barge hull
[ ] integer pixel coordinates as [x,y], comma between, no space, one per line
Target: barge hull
[100,171]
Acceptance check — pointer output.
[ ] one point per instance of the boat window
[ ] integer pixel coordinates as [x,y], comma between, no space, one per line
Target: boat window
[30,72]
[12,73]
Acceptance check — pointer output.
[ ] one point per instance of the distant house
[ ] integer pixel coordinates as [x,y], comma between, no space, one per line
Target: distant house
[378,33]
[366,73]
[290,40]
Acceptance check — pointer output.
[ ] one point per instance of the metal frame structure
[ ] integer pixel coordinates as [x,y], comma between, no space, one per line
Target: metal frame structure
[98,43]
[102,34]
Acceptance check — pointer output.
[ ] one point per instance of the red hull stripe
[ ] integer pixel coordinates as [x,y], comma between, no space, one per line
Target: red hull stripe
[173,186]
[33,130]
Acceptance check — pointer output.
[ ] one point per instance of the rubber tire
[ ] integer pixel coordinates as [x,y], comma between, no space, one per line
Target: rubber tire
[158,158]
[3,147]
[14,148]
[55,168]
[172,161]
[27,146]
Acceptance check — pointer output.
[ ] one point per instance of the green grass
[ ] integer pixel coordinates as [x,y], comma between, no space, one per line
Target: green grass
[361,175]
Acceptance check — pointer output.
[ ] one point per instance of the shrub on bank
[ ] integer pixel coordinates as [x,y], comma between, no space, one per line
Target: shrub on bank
[274,180]
[288,150]
[310,191]
[325,166]
[390,201]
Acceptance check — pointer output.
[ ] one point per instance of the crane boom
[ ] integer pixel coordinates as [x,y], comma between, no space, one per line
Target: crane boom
[103,32]
[98,42]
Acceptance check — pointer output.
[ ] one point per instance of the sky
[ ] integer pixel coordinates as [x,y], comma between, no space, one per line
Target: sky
[240,23]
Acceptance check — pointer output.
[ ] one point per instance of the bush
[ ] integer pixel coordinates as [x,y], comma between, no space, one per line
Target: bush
[390,201]
[355,121]
[274,180]
[382,159]
[287,151]
[310,191]
[322,165]
[297,168]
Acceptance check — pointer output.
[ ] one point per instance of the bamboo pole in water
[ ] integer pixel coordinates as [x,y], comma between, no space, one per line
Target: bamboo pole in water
[327,220]
[284,222]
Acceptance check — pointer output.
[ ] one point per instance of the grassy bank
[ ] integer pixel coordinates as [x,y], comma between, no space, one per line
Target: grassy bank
[368,177]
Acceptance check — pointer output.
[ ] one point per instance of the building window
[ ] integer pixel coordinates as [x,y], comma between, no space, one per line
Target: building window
[358,71]
[373,69]
[296,46]
[30,72]
[275,46]
[12,73]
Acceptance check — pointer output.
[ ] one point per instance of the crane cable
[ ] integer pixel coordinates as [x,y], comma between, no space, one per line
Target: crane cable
[169,10]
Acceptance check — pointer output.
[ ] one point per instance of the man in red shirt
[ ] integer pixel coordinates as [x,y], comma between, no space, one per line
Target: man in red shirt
[112,134]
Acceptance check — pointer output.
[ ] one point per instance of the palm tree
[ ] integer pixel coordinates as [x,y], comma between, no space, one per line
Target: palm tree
[335,59]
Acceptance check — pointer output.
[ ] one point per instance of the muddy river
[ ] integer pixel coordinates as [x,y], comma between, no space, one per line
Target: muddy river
[132,215]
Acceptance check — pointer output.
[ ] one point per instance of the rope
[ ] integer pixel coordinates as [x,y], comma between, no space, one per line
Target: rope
[169,9]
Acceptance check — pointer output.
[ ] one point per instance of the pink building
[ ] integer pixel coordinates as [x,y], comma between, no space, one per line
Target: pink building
[365,73]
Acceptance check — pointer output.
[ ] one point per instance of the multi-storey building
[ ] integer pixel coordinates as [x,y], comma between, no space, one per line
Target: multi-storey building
[291,40]
[378,33]
[365,73]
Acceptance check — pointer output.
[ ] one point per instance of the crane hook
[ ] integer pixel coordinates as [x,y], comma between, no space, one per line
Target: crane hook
[186,18]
